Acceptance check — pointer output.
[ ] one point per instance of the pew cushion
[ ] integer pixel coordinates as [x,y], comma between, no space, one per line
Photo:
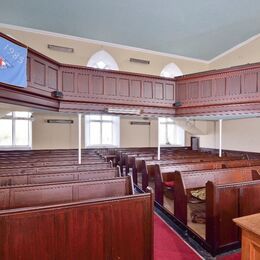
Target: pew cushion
[169,184]
[199,194]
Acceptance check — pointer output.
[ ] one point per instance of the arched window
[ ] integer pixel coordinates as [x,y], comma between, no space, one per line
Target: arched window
[102,60]
[171,70]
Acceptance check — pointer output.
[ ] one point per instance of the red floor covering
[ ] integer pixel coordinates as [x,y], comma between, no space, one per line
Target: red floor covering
[236,256]
[168,245]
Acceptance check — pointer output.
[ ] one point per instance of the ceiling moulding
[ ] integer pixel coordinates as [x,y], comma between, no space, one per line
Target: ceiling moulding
[114,45]
[236,47]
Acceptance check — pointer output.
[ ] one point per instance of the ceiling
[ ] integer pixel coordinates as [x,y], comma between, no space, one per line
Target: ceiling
[199,29]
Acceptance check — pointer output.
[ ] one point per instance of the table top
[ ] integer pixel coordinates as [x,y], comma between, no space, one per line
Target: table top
[250,223]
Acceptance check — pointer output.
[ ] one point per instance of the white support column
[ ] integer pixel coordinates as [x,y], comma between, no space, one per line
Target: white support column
[159,145]
[79,138]
[220,138]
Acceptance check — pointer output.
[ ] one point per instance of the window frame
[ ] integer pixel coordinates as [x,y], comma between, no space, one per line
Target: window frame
[167,123]
[115,121]
[15,118]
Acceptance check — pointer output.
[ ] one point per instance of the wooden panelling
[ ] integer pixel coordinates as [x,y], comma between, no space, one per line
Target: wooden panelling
[229,196]
[28,69]
[220,87]
[52,80]
[68,81]
[148,89]
[39,73]
[135,89]
[250,83]
[83,83]
[111,86]
[169,91]
[206,88]
[233,85]
[158,90]
[98,84]
[193,90]
[181,92]
[124,87]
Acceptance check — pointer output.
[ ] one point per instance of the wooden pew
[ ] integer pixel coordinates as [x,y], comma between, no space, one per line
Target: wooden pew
[21,179]
[55,169]
[92,229]
[186,181]
[225,202]
[135,163]
[165,174]
[53,193]
[148,166]
[32,163]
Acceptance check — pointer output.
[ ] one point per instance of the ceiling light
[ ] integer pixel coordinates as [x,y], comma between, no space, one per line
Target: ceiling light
[127,111]
[60,48]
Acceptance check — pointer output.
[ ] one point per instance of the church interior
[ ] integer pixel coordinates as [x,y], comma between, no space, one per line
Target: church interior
[129,130]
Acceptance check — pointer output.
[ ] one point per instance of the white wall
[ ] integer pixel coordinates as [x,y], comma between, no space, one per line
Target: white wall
[83,50]
[238,135]
[54,136]
[138,135]
[65,136]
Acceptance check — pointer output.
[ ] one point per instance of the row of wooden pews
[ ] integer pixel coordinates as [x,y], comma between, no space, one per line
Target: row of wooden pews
[202,191]
[53,208]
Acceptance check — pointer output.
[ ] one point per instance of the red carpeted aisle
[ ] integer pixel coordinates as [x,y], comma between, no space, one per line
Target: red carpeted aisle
[236,256]
[168,245]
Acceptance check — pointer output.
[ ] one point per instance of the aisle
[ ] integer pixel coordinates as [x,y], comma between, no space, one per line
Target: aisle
[168,245]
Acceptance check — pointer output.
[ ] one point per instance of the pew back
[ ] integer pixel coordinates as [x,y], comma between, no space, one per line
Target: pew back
[97,229]
[45,194]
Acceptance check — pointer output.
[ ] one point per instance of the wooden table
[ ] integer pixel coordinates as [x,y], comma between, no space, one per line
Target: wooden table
[250,226]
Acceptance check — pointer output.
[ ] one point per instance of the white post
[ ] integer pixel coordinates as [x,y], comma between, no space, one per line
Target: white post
[159,145]
[220,138]
[79,138]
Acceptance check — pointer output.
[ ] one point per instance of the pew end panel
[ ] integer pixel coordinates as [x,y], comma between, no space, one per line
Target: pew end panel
[180,211]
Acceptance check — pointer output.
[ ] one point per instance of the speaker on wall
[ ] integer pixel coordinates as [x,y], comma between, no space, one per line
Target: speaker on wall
[177,104]
[57,94]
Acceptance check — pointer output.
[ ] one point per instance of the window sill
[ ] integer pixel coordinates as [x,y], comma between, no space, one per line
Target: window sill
[100,146]
[15,148]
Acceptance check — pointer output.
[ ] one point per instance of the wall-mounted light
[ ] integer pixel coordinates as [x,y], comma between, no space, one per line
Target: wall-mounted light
[147,62]
[59,121]
[60,48]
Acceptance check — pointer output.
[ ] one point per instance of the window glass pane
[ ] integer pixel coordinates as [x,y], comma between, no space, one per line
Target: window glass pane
[94,133]
[107,133]
[162,120]
[169,120]
[95,117]
[107,118]
[162,134]
[9,114]
[22,132]
[22,114]
[180,137]
[6,132]
[171,134]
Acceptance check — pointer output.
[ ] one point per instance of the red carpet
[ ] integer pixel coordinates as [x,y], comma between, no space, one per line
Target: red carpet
[236,256]
[168,245]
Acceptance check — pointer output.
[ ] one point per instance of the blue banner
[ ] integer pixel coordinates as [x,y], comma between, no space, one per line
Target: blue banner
[13,60]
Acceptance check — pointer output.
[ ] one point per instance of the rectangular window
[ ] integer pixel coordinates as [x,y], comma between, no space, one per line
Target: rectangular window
[170,133]
[15,130]
[101,130]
